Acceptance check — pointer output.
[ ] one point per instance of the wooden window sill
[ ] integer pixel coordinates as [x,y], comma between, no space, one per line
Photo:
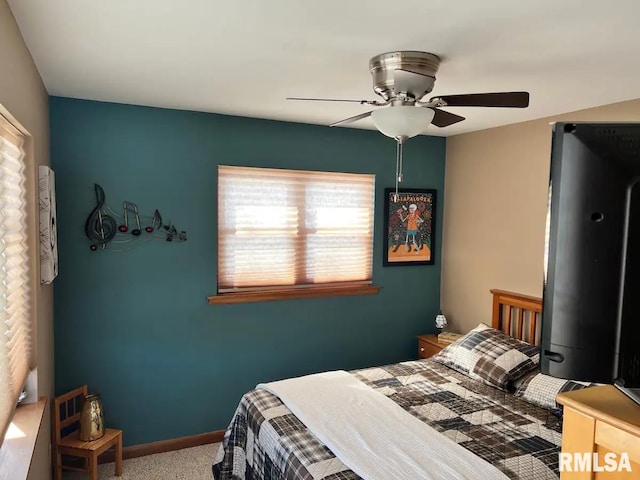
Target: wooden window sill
[20,441]
[292,293]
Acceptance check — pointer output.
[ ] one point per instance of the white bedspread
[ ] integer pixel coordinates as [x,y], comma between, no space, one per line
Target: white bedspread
[372,435]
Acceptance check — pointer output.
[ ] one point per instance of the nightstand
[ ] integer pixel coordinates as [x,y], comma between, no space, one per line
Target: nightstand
[428,345]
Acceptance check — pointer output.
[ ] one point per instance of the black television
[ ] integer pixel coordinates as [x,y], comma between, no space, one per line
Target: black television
[591,298]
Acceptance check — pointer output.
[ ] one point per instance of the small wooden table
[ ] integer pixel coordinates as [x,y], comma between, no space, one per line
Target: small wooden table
[600,420]
[428,345]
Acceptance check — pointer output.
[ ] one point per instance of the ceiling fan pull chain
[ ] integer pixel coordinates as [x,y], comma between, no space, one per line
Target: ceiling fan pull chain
[398,153]
[400,145]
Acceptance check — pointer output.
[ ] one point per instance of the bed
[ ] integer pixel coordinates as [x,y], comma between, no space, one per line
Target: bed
[520,439]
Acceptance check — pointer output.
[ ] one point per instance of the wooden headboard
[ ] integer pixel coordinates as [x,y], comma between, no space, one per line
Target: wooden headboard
[524,309]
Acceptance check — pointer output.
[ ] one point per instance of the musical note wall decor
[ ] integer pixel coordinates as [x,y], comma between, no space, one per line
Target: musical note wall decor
[157,220]
[99,228]
[102,229]
[124,228]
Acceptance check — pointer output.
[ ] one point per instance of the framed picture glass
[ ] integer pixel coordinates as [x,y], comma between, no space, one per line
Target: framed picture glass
[410,223]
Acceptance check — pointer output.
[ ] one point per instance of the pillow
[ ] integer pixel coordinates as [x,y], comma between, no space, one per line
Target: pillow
[541,389]
[491,356]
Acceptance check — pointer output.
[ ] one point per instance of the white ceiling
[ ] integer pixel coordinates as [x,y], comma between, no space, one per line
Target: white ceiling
[243,57]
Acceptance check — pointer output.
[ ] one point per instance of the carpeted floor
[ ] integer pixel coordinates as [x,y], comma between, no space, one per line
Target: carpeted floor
[187,464]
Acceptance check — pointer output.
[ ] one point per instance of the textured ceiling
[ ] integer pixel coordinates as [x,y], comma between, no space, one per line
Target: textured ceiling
[243,57]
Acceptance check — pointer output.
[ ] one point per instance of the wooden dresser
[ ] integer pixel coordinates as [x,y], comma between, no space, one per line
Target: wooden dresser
[601,420]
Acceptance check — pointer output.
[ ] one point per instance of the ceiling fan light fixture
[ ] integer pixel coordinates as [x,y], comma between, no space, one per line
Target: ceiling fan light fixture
[404,121]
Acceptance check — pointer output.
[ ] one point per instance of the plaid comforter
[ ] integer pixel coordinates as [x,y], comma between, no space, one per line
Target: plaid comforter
[266,441]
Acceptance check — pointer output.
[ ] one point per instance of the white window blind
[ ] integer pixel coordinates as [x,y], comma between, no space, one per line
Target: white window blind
[289,228]
[15,344]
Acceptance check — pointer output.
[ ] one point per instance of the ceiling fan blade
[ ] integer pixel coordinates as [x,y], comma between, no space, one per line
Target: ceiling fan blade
[444,119]
[329,100]
[414,84]
[352,119]
[502,99]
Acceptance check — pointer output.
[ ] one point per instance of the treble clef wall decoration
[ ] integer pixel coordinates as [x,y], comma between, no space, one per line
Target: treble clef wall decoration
[99,227]
[107,226]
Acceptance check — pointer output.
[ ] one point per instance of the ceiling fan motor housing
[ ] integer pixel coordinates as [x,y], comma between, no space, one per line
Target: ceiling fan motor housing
[383,68]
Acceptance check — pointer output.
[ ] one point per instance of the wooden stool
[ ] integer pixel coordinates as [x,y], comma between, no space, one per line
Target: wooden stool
[65,413]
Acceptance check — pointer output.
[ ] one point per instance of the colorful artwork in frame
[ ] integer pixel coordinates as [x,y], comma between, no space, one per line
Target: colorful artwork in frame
[410,222]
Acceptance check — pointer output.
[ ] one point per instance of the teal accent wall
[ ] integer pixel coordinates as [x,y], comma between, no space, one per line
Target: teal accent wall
[136,326]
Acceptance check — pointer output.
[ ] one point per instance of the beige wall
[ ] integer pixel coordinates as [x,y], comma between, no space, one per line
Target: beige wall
[495,211]
[23,95]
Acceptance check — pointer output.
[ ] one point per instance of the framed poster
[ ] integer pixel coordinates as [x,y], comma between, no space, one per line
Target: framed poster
[410,223]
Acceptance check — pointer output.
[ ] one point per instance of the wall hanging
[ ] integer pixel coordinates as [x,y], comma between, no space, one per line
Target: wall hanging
[121,232]
[409,217]
[48,227]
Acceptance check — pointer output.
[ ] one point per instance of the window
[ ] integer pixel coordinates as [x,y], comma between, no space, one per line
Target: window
[291,229]
[15,344]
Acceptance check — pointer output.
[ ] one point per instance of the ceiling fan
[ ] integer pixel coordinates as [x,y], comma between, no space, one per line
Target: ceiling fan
[402,79]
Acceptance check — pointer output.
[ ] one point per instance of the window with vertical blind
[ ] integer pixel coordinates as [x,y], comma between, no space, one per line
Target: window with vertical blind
[292,229]
[15,344]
